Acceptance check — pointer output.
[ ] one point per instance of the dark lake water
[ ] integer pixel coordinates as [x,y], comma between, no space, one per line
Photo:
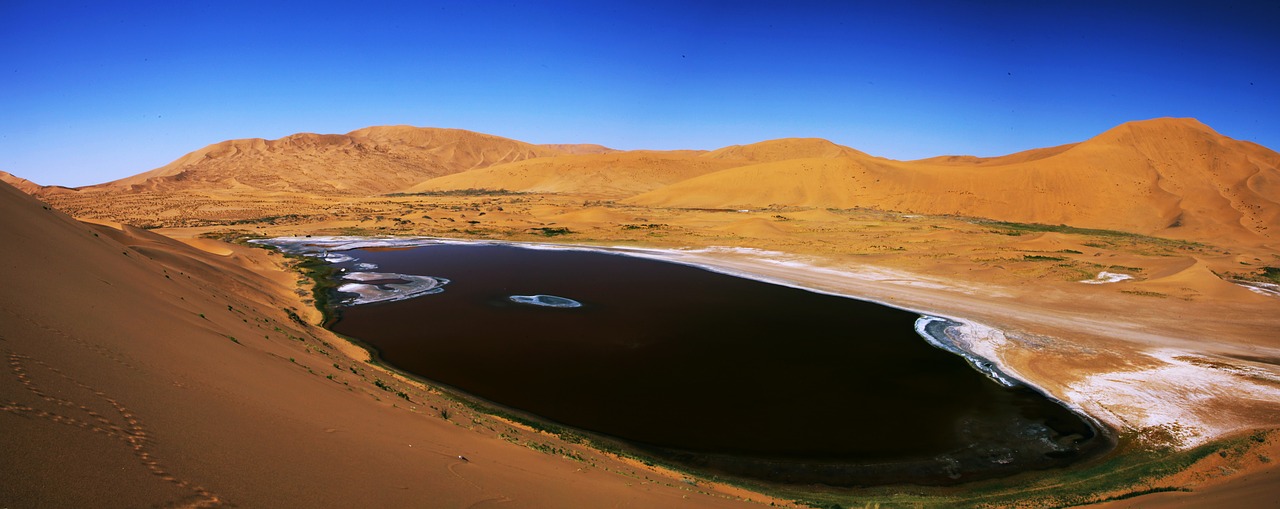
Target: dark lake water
[711,371]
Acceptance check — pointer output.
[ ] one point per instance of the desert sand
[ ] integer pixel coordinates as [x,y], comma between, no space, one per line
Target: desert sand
[1176,352]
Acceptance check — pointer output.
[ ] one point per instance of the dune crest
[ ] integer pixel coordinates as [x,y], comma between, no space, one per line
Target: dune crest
[20,183]
[613,174]
[1174,177]
[784,149]
[367,161]
[223,381]
[1170,177]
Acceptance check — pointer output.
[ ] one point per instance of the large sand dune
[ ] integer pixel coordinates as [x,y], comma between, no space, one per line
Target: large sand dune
[1175,177]
[144,372]
[1172,177]
[119,339]
[22,184]
[366,161]
[614,174]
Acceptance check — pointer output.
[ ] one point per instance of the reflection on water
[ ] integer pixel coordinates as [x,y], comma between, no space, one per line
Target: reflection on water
[550,301]
[713,371]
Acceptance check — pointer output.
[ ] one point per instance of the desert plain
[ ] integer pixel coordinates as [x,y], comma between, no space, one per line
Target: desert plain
[154,358]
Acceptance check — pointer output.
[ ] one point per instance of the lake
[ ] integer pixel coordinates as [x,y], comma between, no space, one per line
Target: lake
[711,371]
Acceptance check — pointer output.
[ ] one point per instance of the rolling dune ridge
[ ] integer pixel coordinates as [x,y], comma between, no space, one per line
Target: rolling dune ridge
[1124,275]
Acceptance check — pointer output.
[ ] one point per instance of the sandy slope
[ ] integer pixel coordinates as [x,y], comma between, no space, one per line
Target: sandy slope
[1176,177]
[366,161]
[1172,177]
[783,149]
[614,174]
[122,387]
[22,184]
[578,148]
[1175,352]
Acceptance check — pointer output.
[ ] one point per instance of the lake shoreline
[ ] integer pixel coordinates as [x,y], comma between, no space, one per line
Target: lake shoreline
[954,345]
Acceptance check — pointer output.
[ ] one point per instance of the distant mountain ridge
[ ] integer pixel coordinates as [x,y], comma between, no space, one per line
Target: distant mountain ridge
[1172,176]
[373,160]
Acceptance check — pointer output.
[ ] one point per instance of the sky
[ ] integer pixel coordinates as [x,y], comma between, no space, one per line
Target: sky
[95,91]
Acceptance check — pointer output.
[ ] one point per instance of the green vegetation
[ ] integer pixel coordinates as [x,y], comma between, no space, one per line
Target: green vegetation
[294,316]
[237,237]
[1123,268]
[552,232]
[273,220]
[1015,229]
[1132,470]
[1160,489]
[1272,274]
[324,284]
[1039,258]
[549,449]
[645,226]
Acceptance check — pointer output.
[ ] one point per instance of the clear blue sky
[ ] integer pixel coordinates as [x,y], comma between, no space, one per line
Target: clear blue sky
[95,91]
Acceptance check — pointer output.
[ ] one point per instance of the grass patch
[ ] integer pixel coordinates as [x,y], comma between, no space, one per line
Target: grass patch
[1041,258]
[1015,229]
[1148,491]
[1123,268]
[324,285]
[294,316]
[553,232]
[272,220]
[1129,472]
[645,226]
[1268,275]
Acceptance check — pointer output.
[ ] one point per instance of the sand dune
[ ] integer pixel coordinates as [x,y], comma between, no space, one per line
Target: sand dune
[1171,177]
[837,182]
[783,149]
[615,174]
[1175,177]
[171,410]
[141,371]
[20,183]
[578,148]
[1192,278]
[1019,157]
[367,161]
